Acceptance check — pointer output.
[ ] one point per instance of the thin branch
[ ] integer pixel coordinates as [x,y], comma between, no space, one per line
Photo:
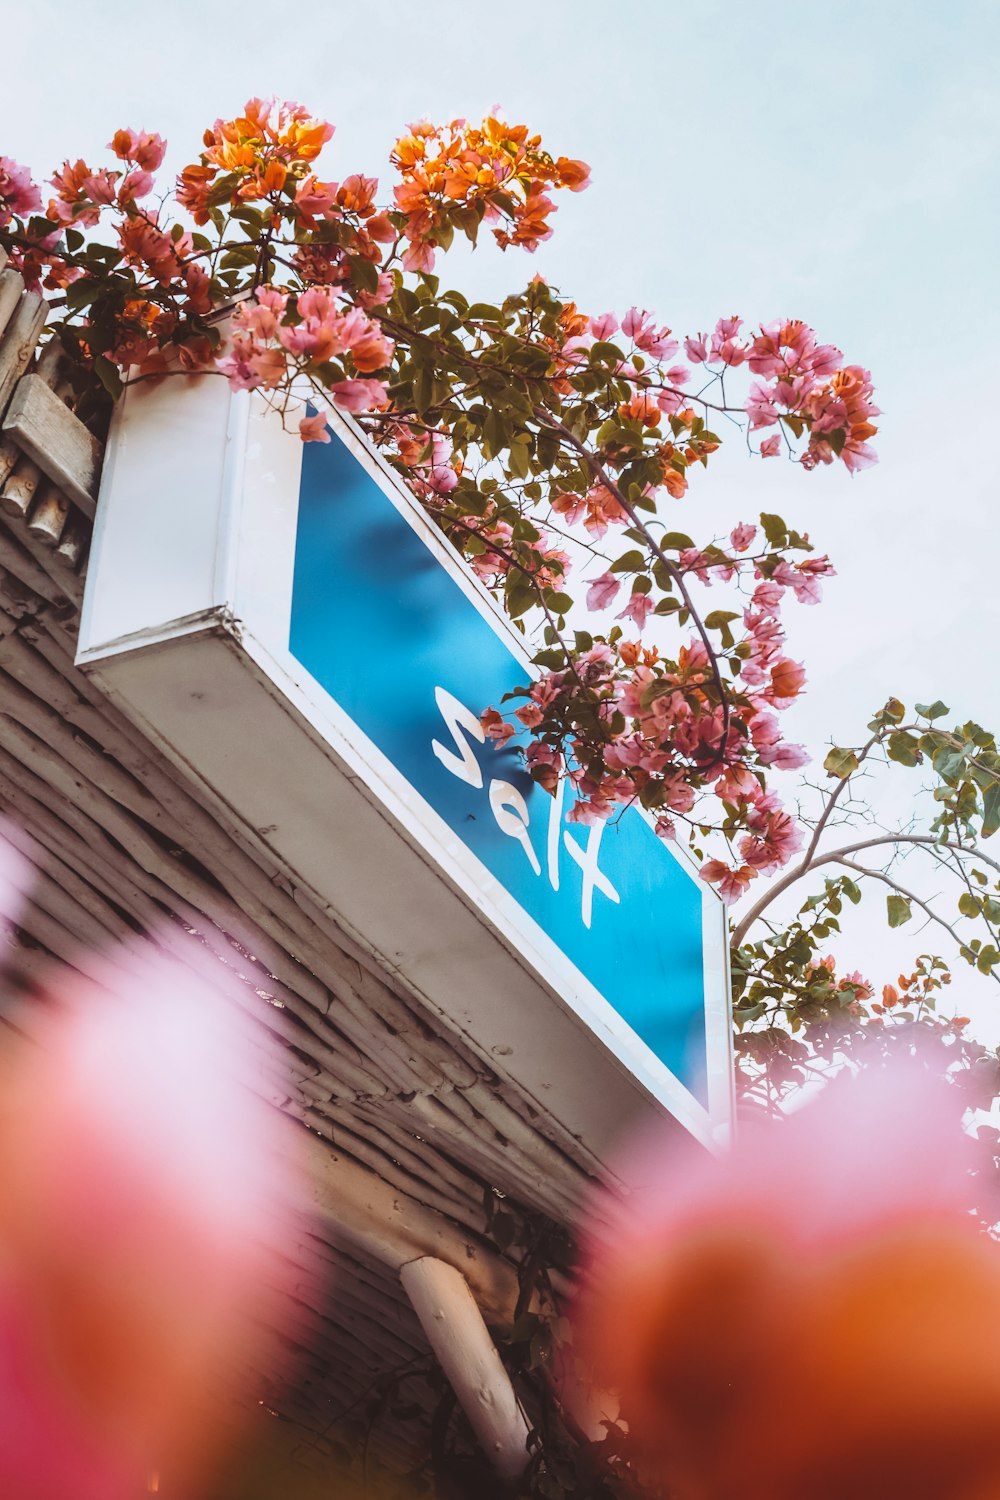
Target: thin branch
[599,472]
[807,865]
[901,890]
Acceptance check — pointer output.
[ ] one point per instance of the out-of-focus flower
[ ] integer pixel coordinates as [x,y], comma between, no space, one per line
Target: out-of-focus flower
[147,1190]
[815,1315]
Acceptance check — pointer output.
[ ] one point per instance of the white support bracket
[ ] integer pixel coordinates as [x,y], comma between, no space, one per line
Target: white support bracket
[450,1317]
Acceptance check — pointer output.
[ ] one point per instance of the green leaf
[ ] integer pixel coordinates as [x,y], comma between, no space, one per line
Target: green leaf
[988,959]
[935,710]
[898,910]
[991,809]
[968,904]
[842,763]
[744,1014]
[774,529]
[850,890]
[482,312]
[519,456]
[629,562]
[904,748]
[109,375]
[81,293]
[949,763]
[606,354]
[675,541]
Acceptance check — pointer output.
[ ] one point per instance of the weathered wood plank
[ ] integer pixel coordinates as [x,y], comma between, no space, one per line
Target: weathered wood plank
[9,455]
[57,441]
[19,340]
[48,516]
[11,289]
[56,585]
[19,488]
[21,566]
[71,547]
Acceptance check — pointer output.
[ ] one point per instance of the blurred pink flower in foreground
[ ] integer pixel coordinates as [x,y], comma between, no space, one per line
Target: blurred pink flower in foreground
[815,1315]
[147,1189]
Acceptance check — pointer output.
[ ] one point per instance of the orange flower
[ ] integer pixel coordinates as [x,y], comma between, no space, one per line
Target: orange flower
[574,175]
[813,1316]
[193,188]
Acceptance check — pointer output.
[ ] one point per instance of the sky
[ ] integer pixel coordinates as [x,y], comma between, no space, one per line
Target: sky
[835,164]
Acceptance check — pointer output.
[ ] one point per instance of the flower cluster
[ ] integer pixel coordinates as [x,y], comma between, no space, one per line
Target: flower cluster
[250,158]
[18,194]
[276,336]
[626,723]
[457,175]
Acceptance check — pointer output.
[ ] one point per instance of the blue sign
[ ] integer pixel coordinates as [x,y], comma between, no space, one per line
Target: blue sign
[392,637]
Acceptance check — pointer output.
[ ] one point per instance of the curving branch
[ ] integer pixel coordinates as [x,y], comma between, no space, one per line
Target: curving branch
[901,890]
[836,856]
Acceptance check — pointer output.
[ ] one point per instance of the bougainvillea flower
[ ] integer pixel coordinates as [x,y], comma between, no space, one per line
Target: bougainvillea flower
[815,1314]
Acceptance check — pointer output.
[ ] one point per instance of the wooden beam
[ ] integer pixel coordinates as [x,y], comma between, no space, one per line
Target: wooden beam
[19,340]
[58,441]
[48,516]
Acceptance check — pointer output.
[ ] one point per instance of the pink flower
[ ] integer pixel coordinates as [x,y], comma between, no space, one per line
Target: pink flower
[419,256]
[314,199]
[732,883]
[742,536]
[146,151]
[637,608]
[314,429]
[271,365]
[147,1206]
[634,322]
[18,194]
[785,757]
[602,591]
[360,395]
[771,446]
[135,184]
[589,811]
[774,842]
[604,327]
[767,597]
[237,368]
[806,584]
[573,507]
[736,783]
[496,727]
[787,681]
[101,186]
[696,348]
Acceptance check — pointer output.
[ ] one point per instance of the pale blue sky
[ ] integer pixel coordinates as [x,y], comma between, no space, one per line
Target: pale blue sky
[838,164]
